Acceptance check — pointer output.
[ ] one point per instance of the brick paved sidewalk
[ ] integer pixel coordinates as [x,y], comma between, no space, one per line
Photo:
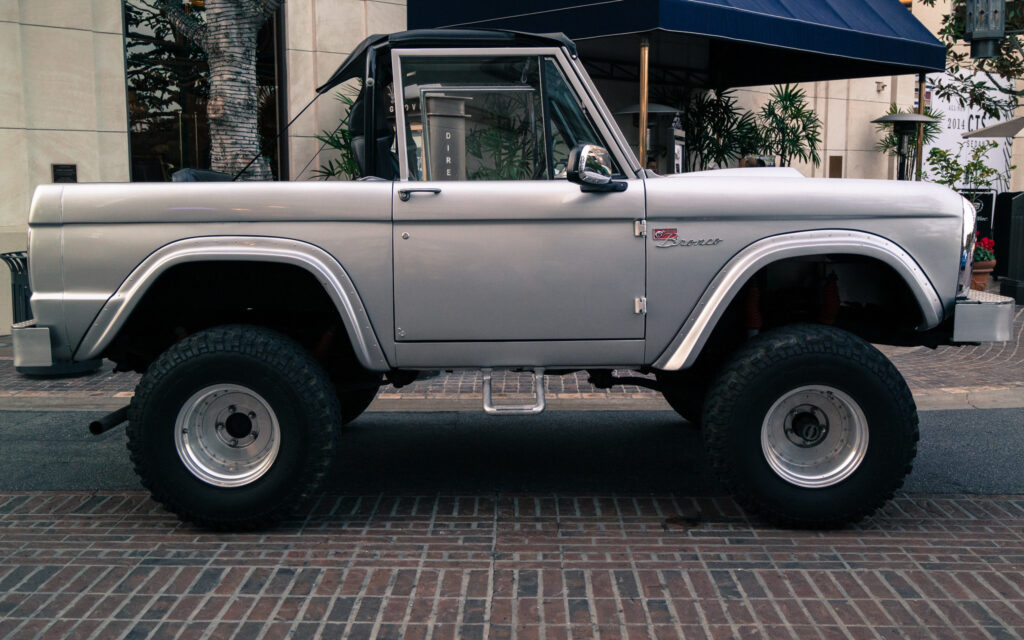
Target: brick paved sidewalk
[510,566]
[990,366]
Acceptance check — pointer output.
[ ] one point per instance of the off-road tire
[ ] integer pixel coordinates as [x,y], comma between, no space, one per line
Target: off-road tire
[278,369]
[775,364]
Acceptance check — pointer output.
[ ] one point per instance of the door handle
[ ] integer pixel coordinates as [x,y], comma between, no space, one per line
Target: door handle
[405,194]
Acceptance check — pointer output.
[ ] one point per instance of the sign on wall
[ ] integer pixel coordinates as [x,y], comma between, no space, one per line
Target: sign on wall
[958,120]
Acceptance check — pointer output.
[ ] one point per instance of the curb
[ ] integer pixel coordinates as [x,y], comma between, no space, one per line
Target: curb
[927,400]
[943,399]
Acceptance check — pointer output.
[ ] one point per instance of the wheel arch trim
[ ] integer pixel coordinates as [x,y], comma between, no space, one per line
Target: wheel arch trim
[688,342]
[324,267]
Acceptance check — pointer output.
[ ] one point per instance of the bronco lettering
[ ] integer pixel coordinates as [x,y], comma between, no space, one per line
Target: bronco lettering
[682,242]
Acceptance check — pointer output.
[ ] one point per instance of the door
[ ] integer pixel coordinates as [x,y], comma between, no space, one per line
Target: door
[491,242]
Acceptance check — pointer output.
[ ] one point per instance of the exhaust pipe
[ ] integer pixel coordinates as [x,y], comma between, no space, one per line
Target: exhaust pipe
[109,421]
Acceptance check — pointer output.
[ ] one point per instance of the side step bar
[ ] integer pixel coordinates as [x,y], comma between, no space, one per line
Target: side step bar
[518,409]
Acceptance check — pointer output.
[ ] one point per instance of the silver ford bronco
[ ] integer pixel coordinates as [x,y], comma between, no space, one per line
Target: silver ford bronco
[501,220]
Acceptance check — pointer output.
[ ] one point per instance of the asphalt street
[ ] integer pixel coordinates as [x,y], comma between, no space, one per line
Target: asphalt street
[964,451]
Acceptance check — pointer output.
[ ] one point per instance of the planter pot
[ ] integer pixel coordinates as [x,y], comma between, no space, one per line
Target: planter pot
[980,273]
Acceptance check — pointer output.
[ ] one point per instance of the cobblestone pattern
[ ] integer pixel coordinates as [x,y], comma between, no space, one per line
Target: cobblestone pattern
[991,365]
[114,565]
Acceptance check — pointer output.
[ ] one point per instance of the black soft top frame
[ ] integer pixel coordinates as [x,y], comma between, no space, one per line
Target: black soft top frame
[355,65]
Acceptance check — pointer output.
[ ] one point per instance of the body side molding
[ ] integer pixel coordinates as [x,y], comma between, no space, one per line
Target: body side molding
[322,265]
[682,352]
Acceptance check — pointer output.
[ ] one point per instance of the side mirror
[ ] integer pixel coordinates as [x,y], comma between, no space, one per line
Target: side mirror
[590,166]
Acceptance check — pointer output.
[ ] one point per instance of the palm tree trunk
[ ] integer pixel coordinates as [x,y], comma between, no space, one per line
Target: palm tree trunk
[227,34]
[233,109]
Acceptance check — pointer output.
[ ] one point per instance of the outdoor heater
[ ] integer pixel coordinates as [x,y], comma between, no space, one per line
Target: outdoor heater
[903,125]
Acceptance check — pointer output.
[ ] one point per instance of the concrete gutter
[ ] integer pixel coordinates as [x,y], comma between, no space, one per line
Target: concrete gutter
[927,400]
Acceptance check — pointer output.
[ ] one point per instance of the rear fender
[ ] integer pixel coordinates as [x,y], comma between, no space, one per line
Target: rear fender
[322,265]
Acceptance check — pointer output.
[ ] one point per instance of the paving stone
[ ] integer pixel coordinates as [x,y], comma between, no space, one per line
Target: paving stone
[623,573]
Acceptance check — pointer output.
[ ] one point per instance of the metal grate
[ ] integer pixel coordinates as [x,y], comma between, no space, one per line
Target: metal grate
[21,293]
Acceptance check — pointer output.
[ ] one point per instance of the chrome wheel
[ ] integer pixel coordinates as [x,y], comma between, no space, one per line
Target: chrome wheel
[227,435]
[814,436]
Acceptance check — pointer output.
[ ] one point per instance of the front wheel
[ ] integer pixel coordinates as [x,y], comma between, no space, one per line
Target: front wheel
[811,426]
[233,427]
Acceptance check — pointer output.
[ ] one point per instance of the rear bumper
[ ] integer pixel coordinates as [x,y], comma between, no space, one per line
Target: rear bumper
[31,345]
[33,353]
[983,317]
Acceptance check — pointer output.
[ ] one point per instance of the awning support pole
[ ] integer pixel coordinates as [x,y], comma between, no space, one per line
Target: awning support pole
[919,161]
[645,45]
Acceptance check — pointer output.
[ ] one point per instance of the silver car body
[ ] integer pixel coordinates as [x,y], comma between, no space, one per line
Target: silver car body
[495,273]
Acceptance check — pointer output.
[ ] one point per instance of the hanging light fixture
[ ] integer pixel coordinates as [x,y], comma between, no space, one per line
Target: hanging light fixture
[984,26]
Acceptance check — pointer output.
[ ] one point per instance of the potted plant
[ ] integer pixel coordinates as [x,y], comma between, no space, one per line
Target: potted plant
[984,263]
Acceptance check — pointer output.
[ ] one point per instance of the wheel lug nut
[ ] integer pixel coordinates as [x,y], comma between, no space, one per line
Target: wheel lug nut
[234,443]
[232,409]
[252,415]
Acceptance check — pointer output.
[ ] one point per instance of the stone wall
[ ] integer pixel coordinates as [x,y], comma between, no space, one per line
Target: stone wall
[320,35]
[62,101]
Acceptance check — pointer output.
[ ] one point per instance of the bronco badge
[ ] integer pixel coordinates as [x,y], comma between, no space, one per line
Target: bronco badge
[670,238]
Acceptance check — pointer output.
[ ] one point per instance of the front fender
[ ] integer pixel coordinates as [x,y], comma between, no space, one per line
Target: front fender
[118,308]
[684,349]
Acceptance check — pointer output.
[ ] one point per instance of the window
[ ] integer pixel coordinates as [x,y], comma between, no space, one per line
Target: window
[168,89]
[568,122]
[489,118]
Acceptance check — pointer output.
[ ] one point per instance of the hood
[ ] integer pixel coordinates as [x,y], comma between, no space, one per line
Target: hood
[752,172]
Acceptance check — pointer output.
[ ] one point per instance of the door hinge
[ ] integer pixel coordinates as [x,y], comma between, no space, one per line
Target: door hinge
[640,305]
[640,228]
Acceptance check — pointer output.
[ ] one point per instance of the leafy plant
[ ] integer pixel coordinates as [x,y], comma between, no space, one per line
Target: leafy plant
[506,145]
[890,142]
[984,249]
[345,165]
[717,129]
[973,174]
[790,129]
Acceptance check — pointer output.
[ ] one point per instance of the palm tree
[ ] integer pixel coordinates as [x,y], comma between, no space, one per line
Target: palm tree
[789,127]
[226,33]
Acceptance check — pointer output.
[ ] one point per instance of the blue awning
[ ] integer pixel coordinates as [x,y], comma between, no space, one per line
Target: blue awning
[718,42]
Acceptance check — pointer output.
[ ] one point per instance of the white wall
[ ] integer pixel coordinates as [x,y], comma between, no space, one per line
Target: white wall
[320,35]
[62,101]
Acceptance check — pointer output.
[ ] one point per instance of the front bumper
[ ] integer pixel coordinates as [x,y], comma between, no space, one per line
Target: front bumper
[983,317]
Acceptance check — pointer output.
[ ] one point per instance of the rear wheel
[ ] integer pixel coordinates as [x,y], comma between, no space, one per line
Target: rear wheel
[233,427]
[811,426]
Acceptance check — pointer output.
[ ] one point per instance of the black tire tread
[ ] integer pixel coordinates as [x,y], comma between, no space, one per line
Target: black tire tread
[283,353]
[767,350]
